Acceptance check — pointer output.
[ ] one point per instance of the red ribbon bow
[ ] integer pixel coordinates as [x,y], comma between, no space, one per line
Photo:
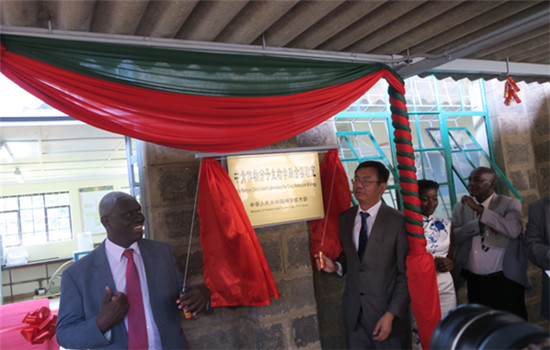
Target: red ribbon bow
[41,326]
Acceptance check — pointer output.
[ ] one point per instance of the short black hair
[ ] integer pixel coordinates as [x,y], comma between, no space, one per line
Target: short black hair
[383,172]
[426,185]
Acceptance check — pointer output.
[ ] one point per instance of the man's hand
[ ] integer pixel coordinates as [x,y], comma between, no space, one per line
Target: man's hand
[329,267]
[443,264]
[382,329]
[195,300]
[469,201]
[112,310]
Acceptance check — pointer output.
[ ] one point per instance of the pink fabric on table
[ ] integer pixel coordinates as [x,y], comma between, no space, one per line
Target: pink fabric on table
[11,323]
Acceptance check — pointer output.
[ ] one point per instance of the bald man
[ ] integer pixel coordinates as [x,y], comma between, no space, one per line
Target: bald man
[490,254]
[95,301]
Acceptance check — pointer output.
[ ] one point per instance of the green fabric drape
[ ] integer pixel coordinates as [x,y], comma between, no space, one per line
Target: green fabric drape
[197,73]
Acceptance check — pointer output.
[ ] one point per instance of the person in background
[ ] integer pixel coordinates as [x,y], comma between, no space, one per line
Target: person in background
[126,292]
[375,303]
[438,233]
[537,244]
[489,248]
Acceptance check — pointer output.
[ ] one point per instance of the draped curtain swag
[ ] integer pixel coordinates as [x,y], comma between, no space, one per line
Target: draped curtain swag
[235,268]
[336,198]
[212,102]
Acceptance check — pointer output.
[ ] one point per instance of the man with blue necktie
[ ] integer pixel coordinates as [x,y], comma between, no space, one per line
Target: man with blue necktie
[375,303]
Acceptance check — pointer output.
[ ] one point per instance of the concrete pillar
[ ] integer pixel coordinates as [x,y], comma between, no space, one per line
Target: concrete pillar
[290,322]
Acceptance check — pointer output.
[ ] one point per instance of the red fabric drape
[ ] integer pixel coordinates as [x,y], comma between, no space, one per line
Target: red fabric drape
[192,122]
[336,198]
[222,124]
[235,268]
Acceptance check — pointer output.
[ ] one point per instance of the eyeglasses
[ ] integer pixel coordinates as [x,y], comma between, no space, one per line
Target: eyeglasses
[364,182]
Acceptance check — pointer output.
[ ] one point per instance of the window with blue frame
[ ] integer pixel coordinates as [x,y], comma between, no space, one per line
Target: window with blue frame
[450,132]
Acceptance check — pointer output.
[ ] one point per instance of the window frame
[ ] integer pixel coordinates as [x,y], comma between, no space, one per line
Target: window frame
[47,235]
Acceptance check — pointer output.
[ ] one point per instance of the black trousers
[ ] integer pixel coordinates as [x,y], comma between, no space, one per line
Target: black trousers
[497,292]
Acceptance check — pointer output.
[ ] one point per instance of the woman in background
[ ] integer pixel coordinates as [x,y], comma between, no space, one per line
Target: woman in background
[438,233]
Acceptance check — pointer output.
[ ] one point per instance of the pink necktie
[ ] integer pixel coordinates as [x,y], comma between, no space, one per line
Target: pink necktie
[137,329]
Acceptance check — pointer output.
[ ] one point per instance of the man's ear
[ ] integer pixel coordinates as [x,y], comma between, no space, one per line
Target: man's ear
[105,221]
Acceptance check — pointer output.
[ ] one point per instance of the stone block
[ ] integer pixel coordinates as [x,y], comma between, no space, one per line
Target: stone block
[298,251]
[305,331]
[271,337]
[156,154]
[196,266]
[273,254]
[517,154]
[173,223]
[543,179]
[229,336]
[532,179]
[519,180]
[296,293]
[170,184]
[323,134]
[542,151]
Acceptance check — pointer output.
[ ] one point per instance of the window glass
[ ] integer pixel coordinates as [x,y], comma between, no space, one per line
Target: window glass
[35,219]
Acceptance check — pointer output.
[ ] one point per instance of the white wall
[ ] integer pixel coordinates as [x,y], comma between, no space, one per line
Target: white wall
[65,248]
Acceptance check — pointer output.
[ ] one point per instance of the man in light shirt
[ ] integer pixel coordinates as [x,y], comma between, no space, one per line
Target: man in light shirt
[490,253]
[375,303]
[93,310]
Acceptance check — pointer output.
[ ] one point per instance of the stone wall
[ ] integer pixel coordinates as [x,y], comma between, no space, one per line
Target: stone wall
[521,141]
[308,313]
[290,322]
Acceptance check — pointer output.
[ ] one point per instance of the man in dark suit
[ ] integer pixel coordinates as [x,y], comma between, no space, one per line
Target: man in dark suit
[94,308]
[537,242]
[490,253]
[376,300]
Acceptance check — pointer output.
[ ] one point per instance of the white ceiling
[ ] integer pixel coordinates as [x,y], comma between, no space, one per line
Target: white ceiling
[59,150]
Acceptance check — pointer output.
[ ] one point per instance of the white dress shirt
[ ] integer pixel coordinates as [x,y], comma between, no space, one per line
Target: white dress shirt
[118,263]
[373,213]
[483,262]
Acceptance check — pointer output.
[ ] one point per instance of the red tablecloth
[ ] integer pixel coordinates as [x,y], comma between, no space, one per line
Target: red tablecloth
[11,317]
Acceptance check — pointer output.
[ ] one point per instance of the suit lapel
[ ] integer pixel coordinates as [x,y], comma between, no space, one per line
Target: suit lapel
[495,202]
[148,262]
[102,271]
[350,222]
[379,224]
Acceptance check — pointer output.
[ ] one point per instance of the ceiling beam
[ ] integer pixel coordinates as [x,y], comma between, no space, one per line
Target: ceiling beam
[516,69]
[521,26]
[201,46]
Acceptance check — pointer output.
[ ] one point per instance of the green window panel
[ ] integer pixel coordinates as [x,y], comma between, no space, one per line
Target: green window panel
[450,133]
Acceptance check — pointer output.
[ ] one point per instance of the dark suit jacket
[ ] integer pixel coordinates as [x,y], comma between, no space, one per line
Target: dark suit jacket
[378,283]
[537,243]
[83,287]
[504,217]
